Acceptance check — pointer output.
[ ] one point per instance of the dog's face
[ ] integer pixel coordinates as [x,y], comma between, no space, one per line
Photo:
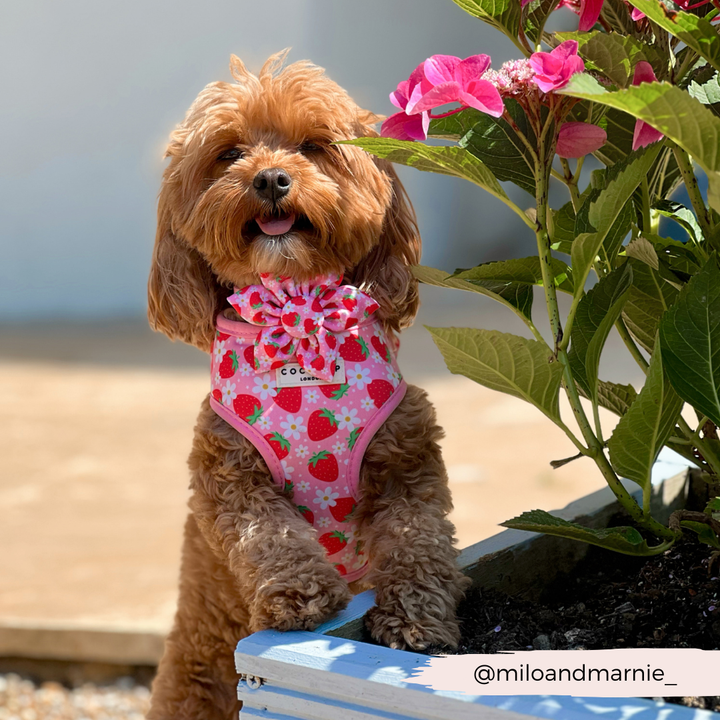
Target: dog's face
[255,185]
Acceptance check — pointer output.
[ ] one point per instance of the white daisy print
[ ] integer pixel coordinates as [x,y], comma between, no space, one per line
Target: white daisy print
[366,403]
[375,355]
[347,557]
[346,419]
[293,427]
[394,376]
[359,562]
[323,522]
[303,486]
[265,386]
[218,379]
[338,447]
[287,470]
[358,377]
[326,498]
[312,396]
[228,392]
[246,370]
[263,423]
[219,350]
[302,451]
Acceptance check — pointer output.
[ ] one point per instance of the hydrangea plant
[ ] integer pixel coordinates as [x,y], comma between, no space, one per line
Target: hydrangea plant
[637,86]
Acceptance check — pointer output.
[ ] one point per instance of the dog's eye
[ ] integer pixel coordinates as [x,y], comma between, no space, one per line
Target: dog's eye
[309,147]
[231,154]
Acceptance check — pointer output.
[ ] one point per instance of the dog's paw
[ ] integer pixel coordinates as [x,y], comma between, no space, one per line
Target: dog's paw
[390,625]
[300,602]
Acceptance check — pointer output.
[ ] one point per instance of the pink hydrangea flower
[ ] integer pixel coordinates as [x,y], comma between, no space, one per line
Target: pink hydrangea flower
[644,134]
[447,79]
[402,126]
[553,70]
[577,139]
[513,79]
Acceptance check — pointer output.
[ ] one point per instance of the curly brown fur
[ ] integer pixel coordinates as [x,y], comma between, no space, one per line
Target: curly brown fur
[250,560]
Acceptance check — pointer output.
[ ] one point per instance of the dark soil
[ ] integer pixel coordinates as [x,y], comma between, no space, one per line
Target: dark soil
[610,601]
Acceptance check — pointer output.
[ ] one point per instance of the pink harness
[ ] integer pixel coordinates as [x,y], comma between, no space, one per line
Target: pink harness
[311,431]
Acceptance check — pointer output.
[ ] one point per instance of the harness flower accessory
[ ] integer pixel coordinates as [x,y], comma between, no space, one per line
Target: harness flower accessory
[301,320]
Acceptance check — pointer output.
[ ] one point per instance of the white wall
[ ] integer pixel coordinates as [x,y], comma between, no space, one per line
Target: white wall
[90,90]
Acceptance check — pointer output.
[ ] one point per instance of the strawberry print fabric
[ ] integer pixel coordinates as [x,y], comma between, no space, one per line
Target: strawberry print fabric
[301,320]
[313,437]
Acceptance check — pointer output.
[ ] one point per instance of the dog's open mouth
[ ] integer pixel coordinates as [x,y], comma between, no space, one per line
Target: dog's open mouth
[277,225]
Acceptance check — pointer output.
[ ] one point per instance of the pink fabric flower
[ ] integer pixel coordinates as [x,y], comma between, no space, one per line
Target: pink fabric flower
[577,139]
[644,134]
[553,70]
[446,79]
[301,321]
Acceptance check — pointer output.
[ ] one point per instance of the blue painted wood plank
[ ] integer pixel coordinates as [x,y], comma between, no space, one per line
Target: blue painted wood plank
[309,704]
[356,609]
[265,714]
[317,661]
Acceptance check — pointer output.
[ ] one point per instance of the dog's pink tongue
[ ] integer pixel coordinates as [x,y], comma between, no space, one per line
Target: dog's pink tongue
[277,226]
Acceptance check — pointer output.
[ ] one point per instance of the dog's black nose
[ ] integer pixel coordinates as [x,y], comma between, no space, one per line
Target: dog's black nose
[272,184]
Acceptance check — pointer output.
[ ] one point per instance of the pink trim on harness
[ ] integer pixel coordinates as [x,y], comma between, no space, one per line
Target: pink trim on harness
[313,437]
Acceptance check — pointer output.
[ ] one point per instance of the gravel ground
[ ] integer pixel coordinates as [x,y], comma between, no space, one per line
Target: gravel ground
[22,699]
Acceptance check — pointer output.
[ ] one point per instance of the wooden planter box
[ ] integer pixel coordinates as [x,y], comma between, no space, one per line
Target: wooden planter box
[331,675]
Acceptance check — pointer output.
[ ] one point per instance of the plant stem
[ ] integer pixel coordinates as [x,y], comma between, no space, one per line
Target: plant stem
[704,448]
[631,346]
[647,221]
[571,182]
[691,184]
[595,446]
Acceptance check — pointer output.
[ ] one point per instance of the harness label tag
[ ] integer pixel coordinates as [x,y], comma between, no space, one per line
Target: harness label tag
[292,375]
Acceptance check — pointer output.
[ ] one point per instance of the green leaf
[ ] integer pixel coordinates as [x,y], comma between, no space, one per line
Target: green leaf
[690,339]
[696,32]
[613,54]
[600,211]
[522,271]
[535,15]
[616,398]
[704,532]
[680,117]
[642,249]
[713,506]
[501,14]
[563,228]
[495,143]
[664,176]
[646,426]
[682,216]
[626,540]
[503,362]
[596,314]
[517,297]
[613,397]
[706,91]
[650,296]
[454,161]
[455,126]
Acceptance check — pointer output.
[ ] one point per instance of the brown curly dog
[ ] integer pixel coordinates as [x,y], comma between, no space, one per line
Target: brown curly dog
[250,559]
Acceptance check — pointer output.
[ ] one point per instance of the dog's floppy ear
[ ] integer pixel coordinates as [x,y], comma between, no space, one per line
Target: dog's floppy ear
[184,296]
[385,272]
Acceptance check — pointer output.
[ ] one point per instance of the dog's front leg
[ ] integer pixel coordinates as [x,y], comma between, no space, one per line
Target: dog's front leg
[281,569]
[410,540]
